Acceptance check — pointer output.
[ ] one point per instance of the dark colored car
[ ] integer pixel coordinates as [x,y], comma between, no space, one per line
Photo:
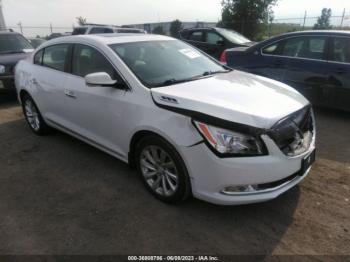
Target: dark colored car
[13,48]
[316,63]
[214,40]
[35,42]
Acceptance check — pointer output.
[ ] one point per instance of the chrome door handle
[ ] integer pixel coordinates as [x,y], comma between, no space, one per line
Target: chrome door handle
[69,93]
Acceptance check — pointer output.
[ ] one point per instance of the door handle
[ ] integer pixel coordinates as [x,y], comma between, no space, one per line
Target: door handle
[340,71]
[69,93]
[278,63]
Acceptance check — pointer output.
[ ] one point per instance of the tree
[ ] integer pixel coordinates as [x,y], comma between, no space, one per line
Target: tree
[175,27]
[249,17]
[323,21]
[81,20]
[158,30]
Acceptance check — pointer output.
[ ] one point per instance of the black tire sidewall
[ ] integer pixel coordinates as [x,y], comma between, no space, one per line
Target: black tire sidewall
[184,187]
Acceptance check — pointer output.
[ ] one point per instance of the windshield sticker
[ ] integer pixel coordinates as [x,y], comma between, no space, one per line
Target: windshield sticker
[190,53]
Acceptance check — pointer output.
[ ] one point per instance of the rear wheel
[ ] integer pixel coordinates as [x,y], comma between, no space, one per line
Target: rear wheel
[33,116]
[162,170]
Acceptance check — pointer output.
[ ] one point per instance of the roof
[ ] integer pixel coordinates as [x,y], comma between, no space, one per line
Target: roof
[109,39]
[319,32]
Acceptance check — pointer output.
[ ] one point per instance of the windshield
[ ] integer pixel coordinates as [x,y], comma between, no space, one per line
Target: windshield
[233,36]
[12,43]
[160,63]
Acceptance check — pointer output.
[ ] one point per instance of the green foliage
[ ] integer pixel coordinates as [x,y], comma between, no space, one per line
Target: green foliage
[81,20]
[158,30]
[323,22]
[249,17]
[175,27]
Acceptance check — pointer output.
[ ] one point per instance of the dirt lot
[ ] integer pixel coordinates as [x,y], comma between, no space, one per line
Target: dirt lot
[61,196]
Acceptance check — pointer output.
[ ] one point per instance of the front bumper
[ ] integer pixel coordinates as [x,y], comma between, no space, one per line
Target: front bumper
[7,82]
[210,175]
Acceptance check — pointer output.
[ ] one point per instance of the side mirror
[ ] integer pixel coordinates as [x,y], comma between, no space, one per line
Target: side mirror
[100,79]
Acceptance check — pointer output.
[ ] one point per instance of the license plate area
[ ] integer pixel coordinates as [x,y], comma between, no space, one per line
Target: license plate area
[307,162]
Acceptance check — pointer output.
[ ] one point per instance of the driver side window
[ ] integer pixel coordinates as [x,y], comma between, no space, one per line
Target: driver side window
[87,60]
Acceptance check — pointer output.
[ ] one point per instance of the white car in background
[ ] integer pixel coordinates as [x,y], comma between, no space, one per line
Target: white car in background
[190,125]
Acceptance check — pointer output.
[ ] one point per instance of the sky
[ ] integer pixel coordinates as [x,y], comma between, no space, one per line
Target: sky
[62,13]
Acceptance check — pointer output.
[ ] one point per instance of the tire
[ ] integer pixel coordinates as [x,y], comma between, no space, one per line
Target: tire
[33,116]
[158,162]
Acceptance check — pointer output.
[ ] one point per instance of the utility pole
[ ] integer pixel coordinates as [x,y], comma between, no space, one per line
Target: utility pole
[304,20]
[342,19]
[20,27]
[51,28]
[2,19]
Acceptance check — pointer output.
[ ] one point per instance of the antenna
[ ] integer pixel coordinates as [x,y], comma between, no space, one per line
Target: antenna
[2,19]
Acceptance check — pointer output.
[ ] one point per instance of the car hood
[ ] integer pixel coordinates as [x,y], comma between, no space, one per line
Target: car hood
[12,59]
[236,97]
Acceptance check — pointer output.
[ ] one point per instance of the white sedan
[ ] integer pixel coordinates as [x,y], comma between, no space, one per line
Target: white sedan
[189,125]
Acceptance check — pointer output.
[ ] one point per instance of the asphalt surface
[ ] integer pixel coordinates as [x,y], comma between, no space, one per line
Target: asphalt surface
[61,196]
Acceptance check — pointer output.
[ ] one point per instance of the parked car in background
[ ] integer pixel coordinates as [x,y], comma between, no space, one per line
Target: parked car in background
[214,40]
[13,48]
[91,29]
[189,124]
[316,63]
[35,41]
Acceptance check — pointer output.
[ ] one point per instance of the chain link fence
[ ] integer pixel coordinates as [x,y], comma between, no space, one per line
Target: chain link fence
[278,26]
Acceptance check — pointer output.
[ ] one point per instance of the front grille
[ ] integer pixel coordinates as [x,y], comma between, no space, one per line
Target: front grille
[293,134]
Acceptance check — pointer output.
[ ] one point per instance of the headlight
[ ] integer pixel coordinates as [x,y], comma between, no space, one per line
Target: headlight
[2,69]
[229,143]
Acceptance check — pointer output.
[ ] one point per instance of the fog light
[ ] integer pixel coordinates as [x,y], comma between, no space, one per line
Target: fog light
[239,189]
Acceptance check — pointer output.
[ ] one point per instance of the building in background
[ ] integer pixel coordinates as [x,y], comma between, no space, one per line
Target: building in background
[2,19]
[149,27]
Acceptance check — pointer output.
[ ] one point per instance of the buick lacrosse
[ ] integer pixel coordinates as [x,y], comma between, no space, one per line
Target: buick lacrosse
[188,124]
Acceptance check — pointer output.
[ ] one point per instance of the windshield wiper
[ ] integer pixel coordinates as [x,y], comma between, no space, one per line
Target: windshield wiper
[206,74]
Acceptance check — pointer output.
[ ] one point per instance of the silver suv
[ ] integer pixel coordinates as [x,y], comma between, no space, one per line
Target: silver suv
[91,29]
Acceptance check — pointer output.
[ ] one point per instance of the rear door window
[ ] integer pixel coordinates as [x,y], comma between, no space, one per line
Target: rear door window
[100,30]
[55,57]
[340,49]
[38,58]
[213,38]
[196,36]
[79,31]
[311,47]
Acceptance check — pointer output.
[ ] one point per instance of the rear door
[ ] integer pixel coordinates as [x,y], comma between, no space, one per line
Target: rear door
[50,77]
[339,72]
[307,68]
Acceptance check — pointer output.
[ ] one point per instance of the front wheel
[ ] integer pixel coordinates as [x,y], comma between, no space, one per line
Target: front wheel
[162,170]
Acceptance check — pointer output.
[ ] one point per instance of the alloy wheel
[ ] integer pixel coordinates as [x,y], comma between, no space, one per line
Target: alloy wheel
[32,114]
[159,171]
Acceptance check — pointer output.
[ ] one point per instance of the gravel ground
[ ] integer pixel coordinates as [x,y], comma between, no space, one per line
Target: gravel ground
[61,196]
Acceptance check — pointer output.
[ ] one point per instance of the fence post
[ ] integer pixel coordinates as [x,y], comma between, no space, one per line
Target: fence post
[342,19]
[304,20]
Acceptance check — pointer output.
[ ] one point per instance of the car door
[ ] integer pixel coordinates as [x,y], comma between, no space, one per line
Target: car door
[49,77]
[307,68]
[95,112]
[339,72]
[214,44]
